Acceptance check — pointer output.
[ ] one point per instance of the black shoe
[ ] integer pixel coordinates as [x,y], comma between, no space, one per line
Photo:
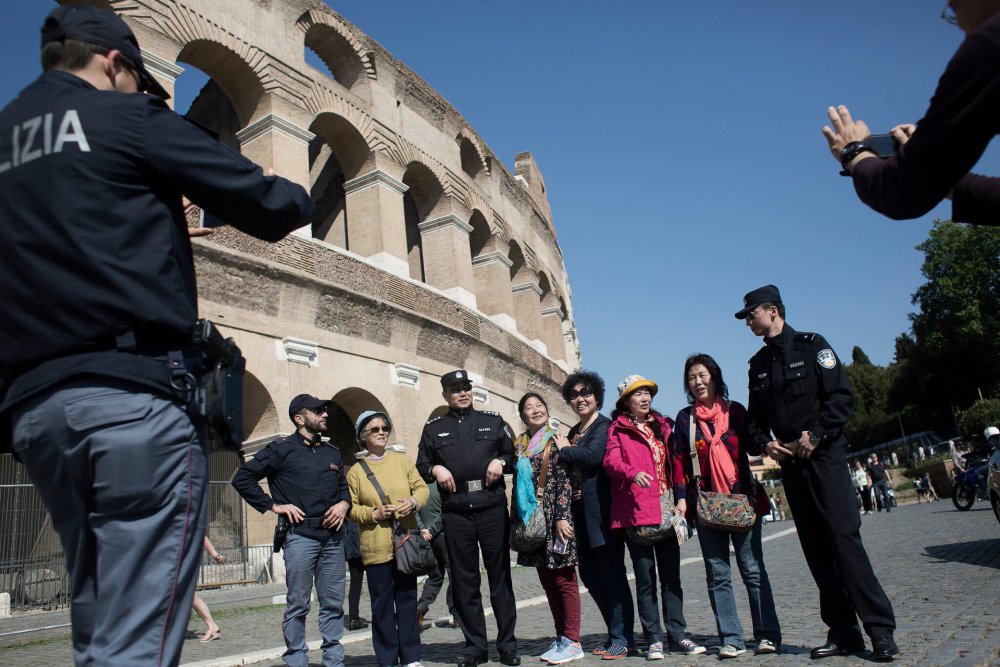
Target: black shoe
[473,660]
[512,659]
[831,649]
[883,648]
[357,624]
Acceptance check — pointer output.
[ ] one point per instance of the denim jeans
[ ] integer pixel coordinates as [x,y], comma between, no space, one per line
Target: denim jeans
[750,561]
[602,571]
[122,471]
[306,559]
[663,558]
[882,495]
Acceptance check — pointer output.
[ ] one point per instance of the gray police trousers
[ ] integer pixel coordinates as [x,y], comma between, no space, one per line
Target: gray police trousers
[122,472]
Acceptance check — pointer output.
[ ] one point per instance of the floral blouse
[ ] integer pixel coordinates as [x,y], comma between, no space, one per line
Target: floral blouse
[556,500]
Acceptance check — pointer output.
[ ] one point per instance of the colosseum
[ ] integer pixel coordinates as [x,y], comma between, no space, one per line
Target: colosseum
[428,253]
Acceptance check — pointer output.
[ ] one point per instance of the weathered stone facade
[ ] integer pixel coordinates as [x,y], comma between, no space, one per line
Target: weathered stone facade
[428,253]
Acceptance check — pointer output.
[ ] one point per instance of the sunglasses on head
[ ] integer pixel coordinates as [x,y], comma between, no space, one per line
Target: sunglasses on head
[573,394]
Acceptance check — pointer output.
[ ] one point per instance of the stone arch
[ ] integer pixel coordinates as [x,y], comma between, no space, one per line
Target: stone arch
[481,236]
[345,407]
[343,54]
[421,202]
[231,73]
[438,411]
[519,264]
[474,162]
[336,154]
[260,417]
[544,284]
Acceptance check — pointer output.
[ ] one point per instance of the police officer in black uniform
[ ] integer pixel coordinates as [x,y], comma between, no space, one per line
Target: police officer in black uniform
[799,392]
[309,493]
[467,452]
[99,302]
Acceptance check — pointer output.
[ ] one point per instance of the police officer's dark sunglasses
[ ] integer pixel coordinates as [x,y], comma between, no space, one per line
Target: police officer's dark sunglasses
[460,388]
[573,394]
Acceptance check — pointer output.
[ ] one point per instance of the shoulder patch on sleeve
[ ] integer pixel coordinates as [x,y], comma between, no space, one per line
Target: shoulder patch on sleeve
[434,419]
[826,358]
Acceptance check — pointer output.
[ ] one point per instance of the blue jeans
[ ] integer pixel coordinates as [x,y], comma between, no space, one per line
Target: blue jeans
[122,471]
[882,495]
[750,561]
[602,571]
[664,558]
[306,559]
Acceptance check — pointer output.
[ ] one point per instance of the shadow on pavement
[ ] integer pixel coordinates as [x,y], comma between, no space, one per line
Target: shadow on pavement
[985,553]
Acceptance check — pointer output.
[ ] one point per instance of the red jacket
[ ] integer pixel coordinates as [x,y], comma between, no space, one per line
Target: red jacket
[626,456]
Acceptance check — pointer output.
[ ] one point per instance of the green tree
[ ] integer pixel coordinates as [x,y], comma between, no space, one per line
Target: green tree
[980,415]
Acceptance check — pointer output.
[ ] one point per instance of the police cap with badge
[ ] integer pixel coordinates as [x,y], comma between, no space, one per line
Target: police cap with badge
[459,377]
[765,294]
[103,28]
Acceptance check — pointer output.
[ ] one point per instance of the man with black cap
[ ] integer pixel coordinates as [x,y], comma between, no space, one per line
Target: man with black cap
[309,494]
[467,452]
[99,297]
[799,392]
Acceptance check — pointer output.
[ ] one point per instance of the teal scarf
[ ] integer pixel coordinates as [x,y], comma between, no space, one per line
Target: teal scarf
[526,448]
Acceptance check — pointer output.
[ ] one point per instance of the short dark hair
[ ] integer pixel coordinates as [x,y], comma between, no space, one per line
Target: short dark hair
[524,399]
[713,370]
[587,379]
[73,54]
[779,306]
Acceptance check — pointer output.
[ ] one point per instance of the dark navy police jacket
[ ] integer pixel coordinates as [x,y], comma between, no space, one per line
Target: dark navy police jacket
[93,238]
[309,476]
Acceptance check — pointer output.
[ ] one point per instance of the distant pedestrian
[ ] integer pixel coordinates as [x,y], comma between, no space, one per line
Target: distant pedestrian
[881,482]
[213,632]
[781,506]
[929,485]
[863,484]
[356,571]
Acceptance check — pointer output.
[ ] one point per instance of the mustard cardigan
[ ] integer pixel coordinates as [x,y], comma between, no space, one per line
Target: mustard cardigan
[398,478]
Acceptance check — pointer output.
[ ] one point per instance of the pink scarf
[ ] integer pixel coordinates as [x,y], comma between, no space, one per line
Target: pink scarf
[722,471]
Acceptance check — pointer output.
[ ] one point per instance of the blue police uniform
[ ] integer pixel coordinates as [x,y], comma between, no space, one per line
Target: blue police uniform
[98,281]
[308,474]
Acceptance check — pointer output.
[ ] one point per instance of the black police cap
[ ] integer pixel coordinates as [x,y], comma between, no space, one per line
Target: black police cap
[454,377]
[765,294]
[103,28]
[304,401]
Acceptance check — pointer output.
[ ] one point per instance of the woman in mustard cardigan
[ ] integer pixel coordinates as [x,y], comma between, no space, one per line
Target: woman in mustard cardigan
[395,632]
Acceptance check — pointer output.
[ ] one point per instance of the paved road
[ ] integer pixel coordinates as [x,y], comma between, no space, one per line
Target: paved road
[940,567]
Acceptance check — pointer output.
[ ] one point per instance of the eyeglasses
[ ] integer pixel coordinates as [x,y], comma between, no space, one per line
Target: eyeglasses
[380,429]
[573,394]
[460,388]
[948,13]
[752,315]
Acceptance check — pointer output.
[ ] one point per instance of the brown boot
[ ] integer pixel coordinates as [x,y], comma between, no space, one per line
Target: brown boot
[420,620]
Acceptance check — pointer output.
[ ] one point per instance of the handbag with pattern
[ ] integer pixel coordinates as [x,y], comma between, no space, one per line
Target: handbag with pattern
[653,534]
[732,512]
[531,536]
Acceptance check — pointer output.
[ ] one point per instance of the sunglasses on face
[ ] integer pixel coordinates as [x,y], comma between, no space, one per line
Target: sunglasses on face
[573,394]
[460,388]
[380,429]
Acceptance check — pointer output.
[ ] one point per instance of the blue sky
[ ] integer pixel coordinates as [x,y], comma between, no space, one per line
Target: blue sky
[680,143]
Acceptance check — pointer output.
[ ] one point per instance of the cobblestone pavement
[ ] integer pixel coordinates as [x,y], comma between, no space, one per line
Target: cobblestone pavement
[940,568]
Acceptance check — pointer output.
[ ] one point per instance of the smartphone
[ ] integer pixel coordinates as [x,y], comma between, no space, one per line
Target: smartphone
[560,545]
[884,145]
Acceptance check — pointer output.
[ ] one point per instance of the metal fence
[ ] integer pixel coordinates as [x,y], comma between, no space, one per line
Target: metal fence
[32,567]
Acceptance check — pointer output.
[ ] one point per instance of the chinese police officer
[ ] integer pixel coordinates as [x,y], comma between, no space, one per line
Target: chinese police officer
[799,392]
[467,453]
[99,298]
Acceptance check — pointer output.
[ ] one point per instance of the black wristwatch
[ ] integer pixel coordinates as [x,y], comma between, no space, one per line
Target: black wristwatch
[851,151]
[814,439]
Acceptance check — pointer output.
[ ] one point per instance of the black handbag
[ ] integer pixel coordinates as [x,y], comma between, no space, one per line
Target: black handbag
[531,536]
[414,555]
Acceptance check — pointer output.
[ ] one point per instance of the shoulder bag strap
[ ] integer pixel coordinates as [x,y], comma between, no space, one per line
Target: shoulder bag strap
[371,478]
[695,466]
[540,490]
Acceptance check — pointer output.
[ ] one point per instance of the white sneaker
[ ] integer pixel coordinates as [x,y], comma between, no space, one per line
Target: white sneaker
[414,664]
[688,647]
[765,646]
[655,651]
[730,651]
